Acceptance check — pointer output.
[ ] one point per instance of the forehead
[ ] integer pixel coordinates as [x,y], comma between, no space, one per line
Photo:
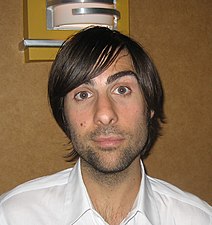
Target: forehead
[123,62]
[121,67]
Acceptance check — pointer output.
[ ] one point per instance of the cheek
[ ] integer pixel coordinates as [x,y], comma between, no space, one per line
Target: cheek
[78,120]
[83,124]
[133,116]
[77,117]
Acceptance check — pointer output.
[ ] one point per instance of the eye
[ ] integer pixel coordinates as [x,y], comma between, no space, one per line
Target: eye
[122,90]
[82,95]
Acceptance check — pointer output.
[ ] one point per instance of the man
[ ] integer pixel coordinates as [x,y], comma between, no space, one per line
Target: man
[107,97]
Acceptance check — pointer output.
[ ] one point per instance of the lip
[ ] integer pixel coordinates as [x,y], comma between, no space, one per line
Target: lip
[108,142]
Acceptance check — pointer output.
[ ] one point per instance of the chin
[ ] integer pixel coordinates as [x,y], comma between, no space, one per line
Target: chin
[110,165]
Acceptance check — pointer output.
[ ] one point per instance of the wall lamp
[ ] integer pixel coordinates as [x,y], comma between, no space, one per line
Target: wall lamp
[47,23]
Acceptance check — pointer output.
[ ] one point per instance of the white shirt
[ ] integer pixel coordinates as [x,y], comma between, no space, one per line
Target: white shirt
[62,199]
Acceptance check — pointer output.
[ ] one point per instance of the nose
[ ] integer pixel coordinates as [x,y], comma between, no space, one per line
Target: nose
[105,111]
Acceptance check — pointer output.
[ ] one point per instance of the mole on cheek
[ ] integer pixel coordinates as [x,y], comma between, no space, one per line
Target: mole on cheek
[83,124]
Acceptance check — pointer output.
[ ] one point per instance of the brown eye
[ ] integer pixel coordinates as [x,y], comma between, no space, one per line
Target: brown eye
[82,95]
[122,90]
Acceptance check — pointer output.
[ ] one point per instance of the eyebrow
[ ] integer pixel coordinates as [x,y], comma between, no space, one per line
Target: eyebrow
[115,77]
[120,74]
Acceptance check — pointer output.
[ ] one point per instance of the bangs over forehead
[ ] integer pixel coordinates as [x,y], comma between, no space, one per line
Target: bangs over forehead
[84,57]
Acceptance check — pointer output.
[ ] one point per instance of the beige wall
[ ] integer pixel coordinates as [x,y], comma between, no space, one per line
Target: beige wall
[176,33]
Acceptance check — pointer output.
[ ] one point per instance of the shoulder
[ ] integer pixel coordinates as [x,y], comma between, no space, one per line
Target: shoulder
[182,205]
[35,199]
[36,185]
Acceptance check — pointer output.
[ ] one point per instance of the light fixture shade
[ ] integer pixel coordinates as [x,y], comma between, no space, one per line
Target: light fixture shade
[78,14]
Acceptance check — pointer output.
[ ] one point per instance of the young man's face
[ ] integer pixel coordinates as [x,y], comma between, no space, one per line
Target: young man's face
[107,118]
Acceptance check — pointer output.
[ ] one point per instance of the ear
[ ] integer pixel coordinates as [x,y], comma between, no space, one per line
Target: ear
[152,113]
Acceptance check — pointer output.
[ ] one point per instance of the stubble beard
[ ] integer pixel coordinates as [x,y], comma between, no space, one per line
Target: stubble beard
[110,161]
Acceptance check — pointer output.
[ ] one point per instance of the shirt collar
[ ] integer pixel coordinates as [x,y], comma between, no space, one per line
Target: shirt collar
[145,201]
[77,201]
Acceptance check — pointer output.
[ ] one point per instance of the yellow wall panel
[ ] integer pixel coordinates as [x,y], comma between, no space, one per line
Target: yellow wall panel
[40,54]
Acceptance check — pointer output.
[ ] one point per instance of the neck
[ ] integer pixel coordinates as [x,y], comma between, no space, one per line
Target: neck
[112,194]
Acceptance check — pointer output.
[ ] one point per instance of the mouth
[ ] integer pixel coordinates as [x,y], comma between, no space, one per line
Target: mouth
[109,142]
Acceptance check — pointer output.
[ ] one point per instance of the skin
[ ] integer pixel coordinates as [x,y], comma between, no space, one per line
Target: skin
[108,128]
